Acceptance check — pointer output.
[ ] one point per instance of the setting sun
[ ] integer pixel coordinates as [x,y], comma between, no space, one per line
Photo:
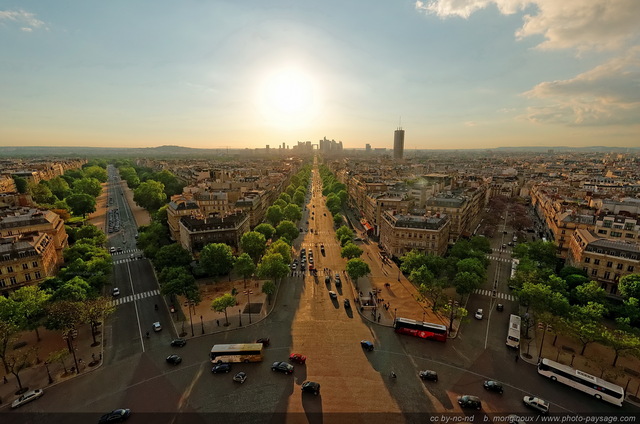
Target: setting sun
[289,98]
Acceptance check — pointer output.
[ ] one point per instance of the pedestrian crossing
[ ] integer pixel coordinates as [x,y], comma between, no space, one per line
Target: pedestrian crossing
[122,261]
[134,297]
[498,258]
[505,296]
[127,251]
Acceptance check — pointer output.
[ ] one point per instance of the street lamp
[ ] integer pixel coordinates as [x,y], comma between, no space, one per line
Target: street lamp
[423,316]
[46,365]
[240,316]
[202,324]
[544,327]
[395,313]
[249,292]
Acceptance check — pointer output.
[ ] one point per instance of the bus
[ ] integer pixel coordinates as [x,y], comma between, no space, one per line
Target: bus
[240,352]
[425,330]
[514,266]
[591,385]
[513,334]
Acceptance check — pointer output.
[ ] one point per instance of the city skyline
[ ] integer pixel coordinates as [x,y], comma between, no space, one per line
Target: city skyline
[459,74]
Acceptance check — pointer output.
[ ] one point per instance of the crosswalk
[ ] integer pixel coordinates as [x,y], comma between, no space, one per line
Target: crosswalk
[498,258]
[125,260]
[134,297]
[505,296]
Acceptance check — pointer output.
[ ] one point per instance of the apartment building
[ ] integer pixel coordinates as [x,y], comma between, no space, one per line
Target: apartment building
[181,205]
[7,185]
[26,259]
[401,233]
[196,233]
[464,210]
[603,259]
[255,204]
[23,220]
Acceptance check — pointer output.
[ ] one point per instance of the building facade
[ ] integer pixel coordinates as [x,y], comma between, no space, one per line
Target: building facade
[26,259]
[400,234]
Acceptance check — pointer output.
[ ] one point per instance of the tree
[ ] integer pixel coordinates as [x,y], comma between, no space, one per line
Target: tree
[175,281]
[59,187]
[18,361]
[268,288]
[285,197]
[274,215]
[41,193]
[621,342]
[585,331]
[466,282]
[471,265]
[9,328]
[244,266]
[65,316]
[220,304]
[357,268]
[292,212]
[629,286]
[172,184]
[272,266]
[74,290]
[266,230]
[254,244]
[92,234]
[81,204]
[412,260]
[30,304]
[344,233]
[94,311]
[216,259]
[21,184]
[589,292]
[351,251]
[150,195]
[172,255]
[96,172]
[283,248]
[298,197]
[152,237]
[481,244]
[287,229]
[338,220]
[89,186]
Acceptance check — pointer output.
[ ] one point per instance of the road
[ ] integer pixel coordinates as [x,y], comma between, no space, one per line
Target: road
[307,321]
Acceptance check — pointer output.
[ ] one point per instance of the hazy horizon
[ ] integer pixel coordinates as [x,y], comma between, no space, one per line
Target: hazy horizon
[455,74]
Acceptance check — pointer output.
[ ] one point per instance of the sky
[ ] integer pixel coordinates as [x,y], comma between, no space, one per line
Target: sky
[454,74]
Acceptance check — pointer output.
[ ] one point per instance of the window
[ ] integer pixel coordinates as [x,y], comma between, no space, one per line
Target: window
[587,260]
[27,277]
[594,272]
[25,266]
[630,268]
[629,235]
[34,264]
[9,269]
[607,224]
[37,274]
[607,275]
[609,264]
[615,234]
[602,231]
[619,266]
[12,280]
[596,261]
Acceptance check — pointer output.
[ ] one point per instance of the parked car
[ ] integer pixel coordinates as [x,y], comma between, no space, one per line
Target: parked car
[284,367]
[347,304]
[115,416]
[493,386]
[479,314]
[311,387]
[536,403]
[500,307]
[298,358]
[366,344]
[115,292]
[468,401]
[264,340]
[174,359]
[178,342]
[112,249]
[26,398]
[333,294]
[428,375]
[240,377]
[221,367]
[327,279]
[156,326]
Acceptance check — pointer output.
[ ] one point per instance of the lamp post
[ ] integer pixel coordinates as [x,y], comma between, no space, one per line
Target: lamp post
[395,313]
[249,292]
[46,365]
[453,304]
[202,324]
[423,316]
[544,327]
[398,274]
[240,317]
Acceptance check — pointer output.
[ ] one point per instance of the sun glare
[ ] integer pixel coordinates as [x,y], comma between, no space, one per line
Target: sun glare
[288,98]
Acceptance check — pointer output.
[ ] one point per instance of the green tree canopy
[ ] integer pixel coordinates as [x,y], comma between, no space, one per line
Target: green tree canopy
[254,244]
[285,197]
[338,220]
[59,187]
[245,266]
[89,186]
[172,255]
[220,304]
[41,193]
[266,230]
[280,203]
[91,234]
[344,233]
[96,172]
[351,251]
[269,288]
[283,248]
[357,268]
[272,266]
[21,184]
[466,282]
[292,212]
[152,237]
[472,265]
[629,286]
[274,215]
[287,229]
[81,204]
[150,195]
[74,290]
[216,259]
[298,197]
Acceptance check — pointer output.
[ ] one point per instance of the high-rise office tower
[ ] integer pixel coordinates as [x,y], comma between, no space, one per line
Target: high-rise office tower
[398,143]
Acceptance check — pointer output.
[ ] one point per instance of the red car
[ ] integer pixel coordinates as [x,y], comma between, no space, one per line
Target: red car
[296,357]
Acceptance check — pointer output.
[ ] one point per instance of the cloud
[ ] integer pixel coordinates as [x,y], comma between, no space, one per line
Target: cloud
[608,94]
[27,20]
[564,24]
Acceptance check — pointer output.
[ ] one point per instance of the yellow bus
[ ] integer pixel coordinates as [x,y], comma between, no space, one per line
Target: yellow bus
[239,352]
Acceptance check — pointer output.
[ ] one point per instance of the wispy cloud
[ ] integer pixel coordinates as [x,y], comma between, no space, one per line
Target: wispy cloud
[577,24]
[27,20]
[608,94]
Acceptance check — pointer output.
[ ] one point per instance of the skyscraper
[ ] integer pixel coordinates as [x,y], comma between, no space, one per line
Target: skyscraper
[398,143]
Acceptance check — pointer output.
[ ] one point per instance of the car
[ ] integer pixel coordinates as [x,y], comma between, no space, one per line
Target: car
[178,342]
[264,340]
[347,304]
[112,249]
[327,279]
[428,375]
[294,266]
[157,326]
[468,401]
[115,292]
[357,239]
[504,232]
[504,246]
[510,244]
[337,277]
[500,307]
[119,249]
[221,367]
[333,294]
[26,398]
[536,403]
[493,386]
[284,367]
[298,358]
[136,236]
[366,344]
[240,377]
[310,387]
[115,416]
[174,359]
[479,314]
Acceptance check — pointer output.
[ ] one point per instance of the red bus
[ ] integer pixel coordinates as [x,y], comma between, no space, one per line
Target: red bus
[425,330]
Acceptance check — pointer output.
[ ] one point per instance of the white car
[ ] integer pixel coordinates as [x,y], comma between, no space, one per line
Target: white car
[115,291]
[112,250]
[26,398]
[479,314]
[157,326]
